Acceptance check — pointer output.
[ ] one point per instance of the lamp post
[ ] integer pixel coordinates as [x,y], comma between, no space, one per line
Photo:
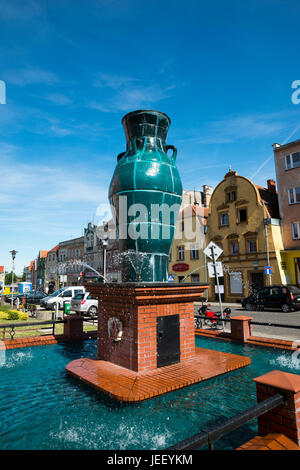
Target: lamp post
[13,255]
[267,221]
[104,244]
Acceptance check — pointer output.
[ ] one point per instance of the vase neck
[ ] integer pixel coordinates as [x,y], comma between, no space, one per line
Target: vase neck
[146,143]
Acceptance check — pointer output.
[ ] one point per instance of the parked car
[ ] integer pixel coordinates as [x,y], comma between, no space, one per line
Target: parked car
[60,296]
[84,303]
[33,297]
[286,298]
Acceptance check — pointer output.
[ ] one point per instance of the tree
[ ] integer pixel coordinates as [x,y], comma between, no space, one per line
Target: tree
[8,278]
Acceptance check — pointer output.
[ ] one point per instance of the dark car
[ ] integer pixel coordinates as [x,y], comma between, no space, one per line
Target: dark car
[286,298]
[33,297]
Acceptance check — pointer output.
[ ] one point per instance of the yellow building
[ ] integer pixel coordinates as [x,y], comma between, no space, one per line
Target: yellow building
[244,221]
[187,263]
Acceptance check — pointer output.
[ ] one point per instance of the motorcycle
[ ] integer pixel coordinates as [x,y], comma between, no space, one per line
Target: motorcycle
[212,320]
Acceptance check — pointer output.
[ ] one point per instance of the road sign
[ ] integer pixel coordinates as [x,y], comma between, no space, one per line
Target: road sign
[219,289]
[171,278]
[211,269]
[268,270]
[216,249]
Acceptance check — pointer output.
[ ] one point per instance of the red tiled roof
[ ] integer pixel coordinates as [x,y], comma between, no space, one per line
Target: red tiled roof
[1,269]
[43,254]
[54,249]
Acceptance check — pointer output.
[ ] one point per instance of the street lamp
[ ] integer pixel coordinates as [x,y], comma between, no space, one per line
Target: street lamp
[13,255]
[104,244]
[267,221]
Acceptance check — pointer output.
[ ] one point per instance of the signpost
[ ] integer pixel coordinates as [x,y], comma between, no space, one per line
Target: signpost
[213,251]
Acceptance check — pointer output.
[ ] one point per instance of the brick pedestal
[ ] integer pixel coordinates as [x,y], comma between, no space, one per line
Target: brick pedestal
[138,308]
[240,328]
[73,328]
[284,419]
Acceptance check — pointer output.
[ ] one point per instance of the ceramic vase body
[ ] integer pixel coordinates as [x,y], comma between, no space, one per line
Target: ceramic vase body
[145,177]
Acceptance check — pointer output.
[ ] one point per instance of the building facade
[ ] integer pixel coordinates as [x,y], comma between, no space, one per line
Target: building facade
[187,262]
[40,270]
[70,259]
[51,270]
[287,164]
[244,221]
[93,253]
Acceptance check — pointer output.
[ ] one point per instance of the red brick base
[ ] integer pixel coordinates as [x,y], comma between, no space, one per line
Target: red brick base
[284,419]
[138,308]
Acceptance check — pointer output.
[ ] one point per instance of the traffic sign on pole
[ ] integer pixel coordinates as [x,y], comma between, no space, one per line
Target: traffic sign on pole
[268,270]
[211,249]
[211,269]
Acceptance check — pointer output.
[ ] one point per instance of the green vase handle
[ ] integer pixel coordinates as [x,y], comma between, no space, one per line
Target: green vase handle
[174,154]
[120,156]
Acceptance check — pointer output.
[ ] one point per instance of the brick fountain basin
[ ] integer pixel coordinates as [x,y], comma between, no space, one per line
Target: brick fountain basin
[146,342]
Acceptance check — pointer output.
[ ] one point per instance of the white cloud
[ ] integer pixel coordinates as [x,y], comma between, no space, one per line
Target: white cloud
[29,76]
[59,99]
[232,129]
[112,81]
[126,93]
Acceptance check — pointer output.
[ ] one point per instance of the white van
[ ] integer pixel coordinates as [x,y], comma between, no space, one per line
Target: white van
[60,296]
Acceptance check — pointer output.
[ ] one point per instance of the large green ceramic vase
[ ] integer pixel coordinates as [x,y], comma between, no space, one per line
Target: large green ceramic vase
[145,194]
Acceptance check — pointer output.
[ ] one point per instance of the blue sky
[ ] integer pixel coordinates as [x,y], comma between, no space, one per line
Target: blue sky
[221,70]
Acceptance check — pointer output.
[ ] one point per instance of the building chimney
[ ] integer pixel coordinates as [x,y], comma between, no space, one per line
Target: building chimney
[271,186]
[207,192]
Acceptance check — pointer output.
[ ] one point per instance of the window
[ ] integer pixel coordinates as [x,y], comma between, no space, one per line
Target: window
[182,226]
[294,195]
[194,252]
[195,278]
[296,230]
[224,219]
[231,196]
[242,215]
[236,283]
[234,248]
[180,253]
[251,246]
[292,161]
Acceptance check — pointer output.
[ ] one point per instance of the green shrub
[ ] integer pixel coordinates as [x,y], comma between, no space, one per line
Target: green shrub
[12,315]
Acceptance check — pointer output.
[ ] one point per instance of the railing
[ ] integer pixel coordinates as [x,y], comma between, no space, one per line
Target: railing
[12,326]
[219,319]
[210,435]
